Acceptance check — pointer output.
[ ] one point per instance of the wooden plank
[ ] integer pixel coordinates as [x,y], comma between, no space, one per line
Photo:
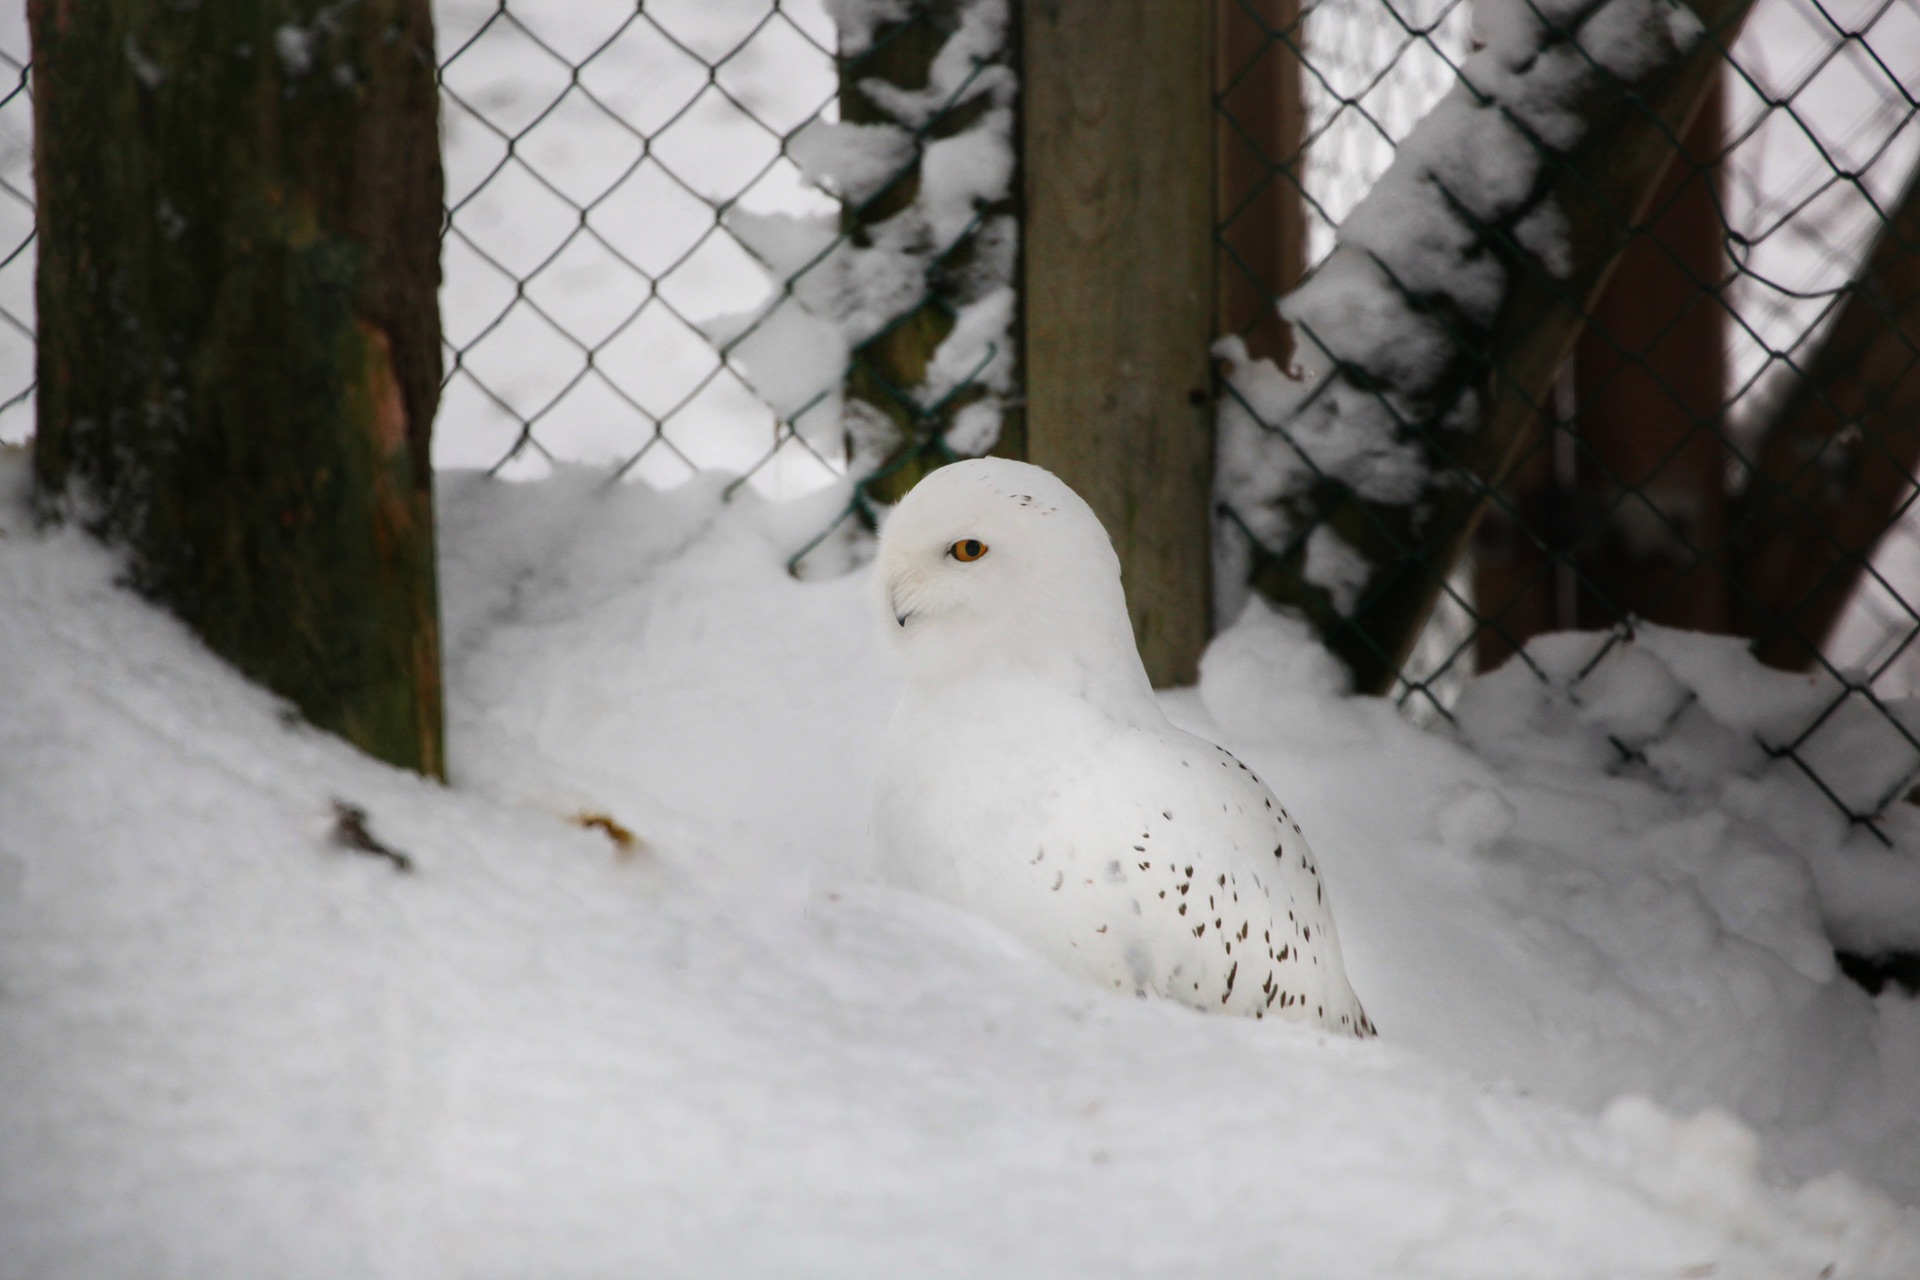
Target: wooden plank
[1650,384]
[1262,249]
[239,352]
[1835,465]
[1118,136]
[1622,505]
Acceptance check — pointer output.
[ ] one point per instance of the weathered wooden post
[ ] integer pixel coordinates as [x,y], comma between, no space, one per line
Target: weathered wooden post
[1118,135]
[1833,468]
[1260,126]
[239,353]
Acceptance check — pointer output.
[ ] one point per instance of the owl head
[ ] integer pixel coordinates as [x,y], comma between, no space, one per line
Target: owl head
[991,566]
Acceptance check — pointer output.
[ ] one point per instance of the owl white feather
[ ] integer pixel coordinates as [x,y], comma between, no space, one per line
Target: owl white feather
[1031,777]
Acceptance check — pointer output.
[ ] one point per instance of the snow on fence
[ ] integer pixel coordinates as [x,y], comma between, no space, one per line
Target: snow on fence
[1731,445]
[778,238]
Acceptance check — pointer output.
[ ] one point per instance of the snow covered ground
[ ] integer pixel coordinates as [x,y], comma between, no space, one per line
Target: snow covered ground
[1613,1040]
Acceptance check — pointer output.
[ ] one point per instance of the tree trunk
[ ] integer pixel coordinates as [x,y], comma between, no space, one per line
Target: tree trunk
[1119,146]
[239,353]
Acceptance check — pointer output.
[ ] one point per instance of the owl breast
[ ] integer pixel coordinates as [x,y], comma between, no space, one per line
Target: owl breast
[1153,863]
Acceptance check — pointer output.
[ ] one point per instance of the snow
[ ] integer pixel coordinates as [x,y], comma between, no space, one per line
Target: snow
[857,20]
[968,66]
[1612,1041]
[1595,924]
[852,161]
[294,45]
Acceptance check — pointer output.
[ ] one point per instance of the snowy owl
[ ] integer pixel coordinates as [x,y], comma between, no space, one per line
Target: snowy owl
[1031,777]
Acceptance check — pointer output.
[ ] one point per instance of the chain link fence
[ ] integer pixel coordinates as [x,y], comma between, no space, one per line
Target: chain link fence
[725,236]
[666,251]
[1729,448]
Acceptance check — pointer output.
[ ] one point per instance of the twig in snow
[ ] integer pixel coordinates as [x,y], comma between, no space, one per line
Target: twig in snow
[350,832]
[623,839]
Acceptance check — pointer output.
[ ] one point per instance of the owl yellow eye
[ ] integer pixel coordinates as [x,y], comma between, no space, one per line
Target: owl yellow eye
[967,550]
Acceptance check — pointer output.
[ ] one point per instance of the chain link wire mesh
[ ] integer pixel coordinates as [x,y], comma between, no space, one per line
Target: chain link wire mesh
[668,251]
[665,251]
[1707,455]
[16,230]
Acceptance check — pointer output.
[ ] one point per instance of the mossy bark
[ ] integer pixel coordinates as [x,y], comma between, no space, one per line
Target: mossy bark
[1119,142]
[239,354]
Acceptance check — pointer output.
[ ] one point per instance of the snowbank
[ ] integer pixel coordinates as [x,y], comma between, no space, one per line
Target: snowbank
[1613,1043]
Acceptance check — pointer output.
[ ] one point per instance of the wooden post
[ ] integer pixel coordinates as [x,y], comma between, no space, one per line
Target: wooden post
[239,353]
[1626,491]
[1650,384]
[1119,142]
[1262,246]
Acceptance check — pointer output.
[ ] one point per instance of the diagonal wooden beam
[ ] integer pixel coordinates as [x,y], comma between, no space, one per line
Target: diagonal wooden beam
[1834,467]
[1604,186]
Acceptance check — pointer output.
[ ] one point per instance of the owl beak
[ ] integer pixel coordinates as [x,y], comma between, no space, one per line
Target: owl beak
[900,615]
